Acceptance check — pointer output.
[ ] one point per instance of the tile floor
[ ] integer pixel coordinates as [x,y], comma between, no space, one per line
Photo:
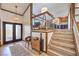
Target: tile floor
[5,51]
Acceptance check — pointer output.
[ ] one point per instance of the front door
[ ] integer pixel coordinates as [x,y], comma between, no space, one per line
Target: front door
[12,32]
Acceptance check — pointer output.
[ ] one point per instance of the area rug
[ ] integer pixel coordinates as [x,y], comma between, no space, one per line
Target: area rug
[19,50]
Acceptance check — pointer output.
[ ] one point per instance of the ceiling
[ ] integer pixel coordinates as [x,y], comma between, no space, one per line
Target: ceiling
[77,12]
[56,9]
[77,9]
[21,7]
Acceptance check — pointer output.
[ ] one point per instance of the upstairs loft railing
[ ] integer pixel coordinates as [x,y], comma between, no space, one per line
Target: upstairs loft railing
[49,23]
[42,21]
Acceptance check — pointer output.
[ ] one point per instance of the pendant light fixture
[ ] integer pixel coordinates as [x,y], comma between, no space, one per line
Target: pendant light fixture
[16,17]
[44,9]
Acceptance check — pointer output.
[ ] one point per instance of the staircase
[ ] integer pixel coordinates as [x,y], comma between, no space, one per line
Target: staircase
[62,43]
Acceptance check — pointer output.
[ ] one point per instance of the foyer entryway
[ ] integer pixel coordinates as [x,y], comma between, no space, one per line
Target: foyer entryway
[12,32]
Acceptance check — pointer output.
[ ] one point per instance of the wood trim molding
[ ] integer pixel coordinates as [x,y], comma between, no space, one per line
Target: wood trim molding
[26,9]
[42,14]
[39,17]
[50,14]
[15,12]
[31,6]
[46,41]
[11,12]
[72,15]
[39,14]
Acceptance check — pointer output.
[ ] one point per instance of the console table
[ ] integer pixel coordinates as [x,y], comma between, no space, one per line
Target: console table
[46,36]
[36,44]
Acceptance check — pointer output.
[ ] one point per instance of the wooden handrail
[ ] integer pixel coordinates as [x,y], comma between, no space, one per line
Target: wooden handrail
[43,14]
[39,14]
[75,30]
[50,14]
[76,24]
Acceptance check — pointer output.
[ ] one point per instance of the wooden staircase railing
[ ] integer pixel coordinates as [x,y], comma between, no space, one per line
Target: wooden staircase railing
[75,30]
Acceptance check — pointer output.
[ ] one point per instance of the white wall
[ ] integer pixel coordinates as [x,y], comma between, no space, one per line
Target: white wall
[26,24]
[8,17]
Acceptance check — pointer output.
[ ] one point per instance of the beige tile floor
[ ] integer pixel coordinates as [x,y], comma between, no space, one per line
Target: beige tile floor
[5,51]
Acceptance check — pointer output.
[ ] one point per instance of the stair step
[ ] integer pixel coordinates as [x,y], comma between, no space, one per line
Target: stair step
[49,53]
[63,36]
[70,40]
[53,53]
[63,30]
[65,33]
[63,44]
[56,52]
[63,50]
[65,41]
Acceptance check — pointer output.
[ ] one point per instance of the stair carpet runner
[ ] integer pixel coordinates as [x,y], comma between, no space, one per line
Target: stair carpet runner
[62,44]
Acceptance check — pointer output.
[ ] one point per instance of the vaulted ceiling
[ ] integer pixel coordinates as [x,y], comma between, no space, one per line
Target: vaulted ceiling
[77,9]
[21,7]
[77,12]
[56,9]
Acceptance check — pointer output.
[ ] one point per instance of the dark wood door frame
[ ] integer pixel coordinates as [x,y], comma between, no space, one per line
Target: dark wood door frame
[14,32]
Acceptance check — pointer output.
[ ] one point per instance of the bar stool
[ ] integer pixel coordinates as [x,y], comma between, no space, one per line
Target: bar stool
[28,40]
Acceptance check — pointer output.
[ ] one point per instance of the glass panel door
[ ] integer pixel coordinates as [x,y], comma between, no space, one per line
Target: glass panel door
[9,32]
[12,32]
[18,32]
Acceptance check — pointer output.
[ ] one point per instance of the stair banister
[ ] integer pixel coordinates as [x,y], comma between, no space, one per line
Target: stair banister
[75,30]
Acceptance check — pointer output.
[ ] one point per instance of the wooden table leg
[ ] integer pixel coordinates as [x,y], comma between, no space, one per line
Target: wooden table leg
[46,34]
